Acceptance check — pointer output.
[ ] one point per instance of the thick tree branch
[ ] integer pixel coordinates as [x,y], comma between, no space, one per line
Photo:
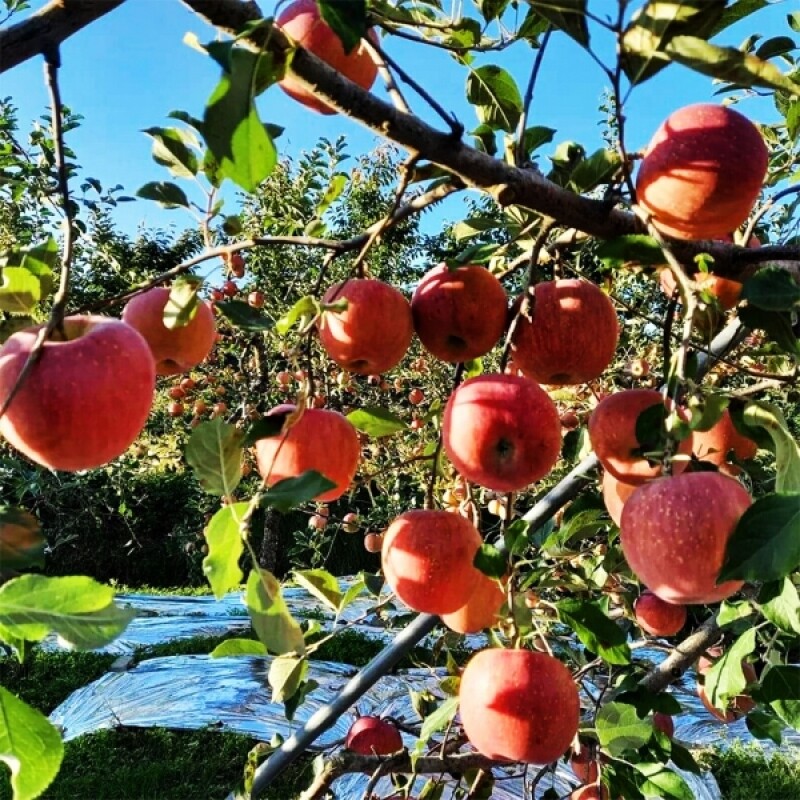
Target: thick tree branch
[48,27]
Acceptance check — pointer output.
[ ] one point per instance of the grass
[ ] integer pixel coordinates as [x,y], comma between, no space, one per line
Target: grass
[745,773]
[158,764]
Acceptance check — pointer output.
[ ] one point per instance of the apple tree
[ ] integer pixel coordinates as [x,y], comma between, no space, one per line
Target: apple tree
[600,442]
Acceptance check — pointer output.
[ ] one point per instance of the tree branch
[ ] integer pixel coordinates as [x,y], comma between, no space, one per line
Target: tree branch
[48,27]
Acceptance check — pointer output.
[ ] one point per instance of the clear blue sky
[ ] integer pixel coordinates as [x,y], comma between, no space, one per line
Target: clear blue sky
[128,70]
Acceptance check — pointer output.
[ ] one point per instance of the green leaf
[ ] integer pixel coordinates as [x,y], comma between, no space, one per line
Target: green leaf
[292,492]
[706,411]
[332,193]
[788,711]
[776,324]
[780,682]
[567,15]
[633,249]
[181,305]
[225,548]
[30,746]
[619,728]
[20,291]
[595,630]
[235,136]
[239,647]
[491,561]
[765,725]
[171,151]
[21,541]
[536,136]
[473,368]
[272,622]
[306,308]
[772,289]
[376,421]
[582,525]
[494,93]
[492,9]
[347,19]
[729,64]
[733,612]
[663,782]
[780,604]
[765,545]
[320,584]
[244,317]
[265,428]
[291,704]
[78,609]
[353,591]
[214,452]
[655,25]
[598,168]
[438,720]
[40,260]
[286,673]
[726,679]
[164,193]
[775,46]
[738,11]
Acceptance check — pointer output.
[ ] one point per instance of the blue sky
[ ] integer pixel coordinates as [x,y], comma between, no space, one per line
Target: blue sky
[128,70]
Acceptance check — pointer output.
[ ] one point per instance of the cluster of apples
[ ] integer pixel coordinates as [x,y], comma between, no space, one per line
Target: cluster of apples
[88,395]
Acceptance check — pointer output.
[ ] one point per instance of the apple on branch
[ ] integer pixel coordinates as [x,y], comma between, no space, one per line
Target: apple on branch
[86,398]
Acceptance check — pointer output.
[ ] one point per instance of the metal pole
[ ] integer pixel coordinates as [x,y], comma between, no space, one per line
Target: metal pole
[406,640]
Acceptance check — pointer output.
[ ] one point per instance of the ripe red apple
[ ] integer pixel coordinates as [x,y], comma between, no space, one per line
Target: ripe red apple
[230,289]
[615,495]
[373,542]
[592,791]
[459,314]
[350,523]
[663,722]
[187,384]
[657,617]
[86,398]
[255,299]
[737,706]
[501,431]
[427,560]
[301,21]
[321,440]
[176,393]
[702,172]
[200,407]
[373,736]
[612,432]
[175,409]
[714,444]
[481,610]
[584,763]
[519,705]
[174,350]
[235,263]
[373,333]
[416,396]
[571,336]
[674,533]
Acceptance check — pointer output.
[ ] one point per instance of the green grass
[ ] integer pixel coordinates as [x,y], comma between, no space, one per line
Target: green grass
[158,764]
[745,773]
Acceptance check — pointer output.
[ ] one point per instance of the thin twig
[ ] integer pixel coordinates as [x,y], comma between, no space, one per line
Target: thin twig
[768,204]
[523,120]
[392,89]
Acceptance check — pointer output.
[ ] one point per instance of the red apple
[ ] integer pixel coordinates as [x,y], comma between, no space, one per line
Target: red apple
[175,409]
[714,445]
[373,736]
[427,560]
[501,431]
[737,706]
[301,21]
[416,396]
[350,523]
[187,384]
[230,289]
[674,533]
[615,495]
[571,336]
[373,333]
[657,617]
[519,705]
[592,791]
[255,299]
[86,398]
[702,172]
[612,432]
[174,349]
[373,542]
[235,263]
[459,314]
[321,440]
[481,610]
[585,764]
[176,393]
[663,722]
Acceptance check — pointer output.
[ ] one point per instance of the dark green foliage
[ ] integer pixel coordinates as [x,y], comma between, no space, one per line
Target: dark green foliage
[158,764]
[747,774]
